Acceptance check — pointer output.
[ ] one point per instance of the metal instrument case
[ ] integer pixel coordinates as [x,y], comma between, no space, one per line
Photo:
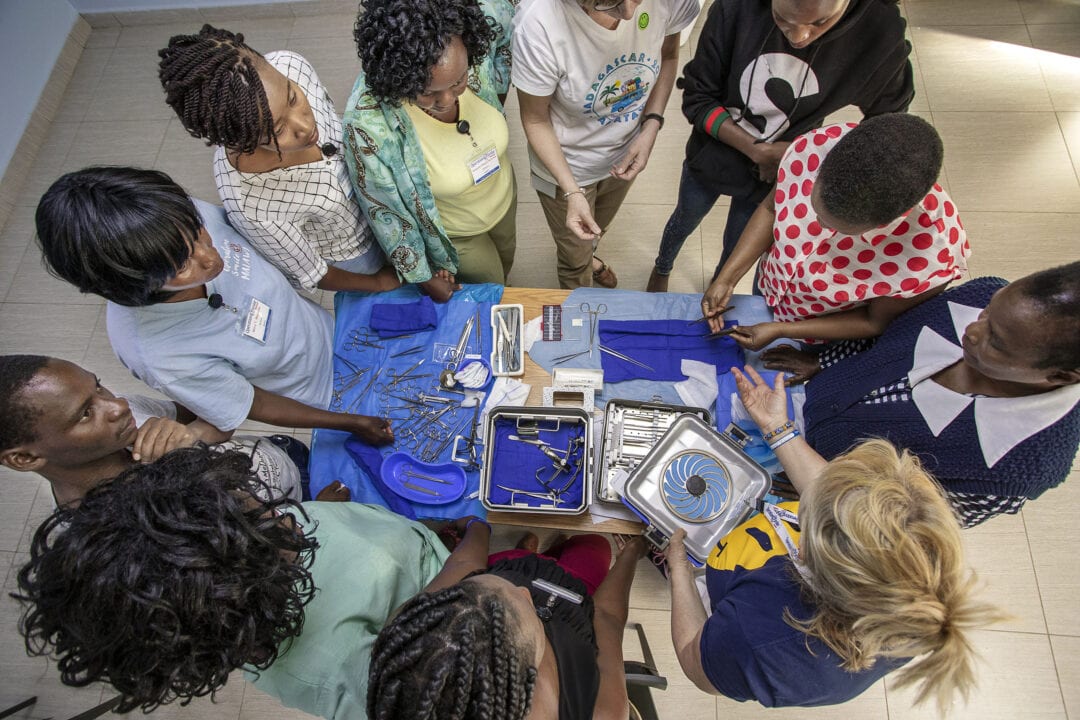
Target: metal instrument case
[613,453]
[540,414]
[642,493]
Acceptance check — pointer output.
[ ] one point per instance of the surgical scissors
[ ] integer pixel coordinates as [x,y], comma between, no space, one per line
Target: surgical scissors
[365,339]
[593,313]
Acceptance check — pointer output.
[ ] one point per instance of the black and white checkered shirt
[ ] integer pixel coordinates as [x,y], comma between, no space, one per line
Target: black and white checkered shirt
[972,508]
[305,216]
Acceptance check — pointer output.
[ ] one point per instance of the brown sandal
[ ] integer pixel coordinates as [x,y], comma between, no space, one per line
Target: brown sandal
[605,276]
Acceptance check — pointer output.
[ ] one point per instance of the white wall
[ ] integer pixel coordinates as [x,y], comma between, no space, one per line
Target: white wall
[32,34]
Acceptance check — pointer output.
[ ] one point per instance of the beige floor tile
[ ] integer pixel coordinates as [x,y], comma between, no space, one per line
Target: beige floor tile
[919,103]
[18,488]
[1070,128]
[105,37]
[259,33]
[1059,57]
[681,699]
[650,590]
[60,331]
[1047,239]
[1067,658]
[964,12]
[188,161]
[49,163]
[130,82]
[279,12]
[34,284]
[337,27]
[116,142]
[534,261]
[989,169]
[14,515]
[631,243]
[155,36]
[998,553]
[1016,679]
[958,64]
[1050,519]
[82,88]
[1050,11]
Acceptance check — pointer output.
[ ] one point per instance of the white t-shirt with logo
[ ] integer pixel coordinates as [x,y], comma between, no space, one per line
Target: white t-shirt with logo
[270,463]
[599,79]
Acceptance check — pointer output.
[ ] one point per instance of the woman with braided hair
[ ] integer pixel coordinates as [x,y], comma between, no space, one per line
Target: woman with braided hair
[277,166]
[512,636]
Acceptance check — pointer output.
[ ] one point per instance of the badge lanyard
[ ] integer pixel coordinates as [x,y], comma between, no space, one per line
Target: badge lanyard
[779,517]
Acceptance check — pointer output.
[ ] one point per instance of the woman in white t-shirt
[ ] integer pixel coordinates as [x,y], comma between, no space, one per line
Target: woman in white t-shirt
[593,77]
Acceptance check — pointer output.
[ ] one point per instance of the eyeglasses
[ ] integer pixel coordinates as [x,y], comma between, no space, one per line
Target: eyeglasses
[608,6]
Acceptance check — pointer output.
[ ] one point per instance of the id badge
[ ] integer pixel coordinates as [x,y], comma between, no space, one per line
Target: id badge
[484,164]
[256,321]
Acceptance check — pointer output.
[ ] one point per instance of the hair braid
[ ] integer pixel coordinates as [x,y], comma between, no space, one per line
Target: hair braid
[212,82]
[450,655]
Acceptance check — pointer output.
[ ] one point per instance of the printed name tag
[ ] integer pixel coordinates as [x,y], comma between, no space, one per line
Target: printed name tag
[484,165]
[257,320]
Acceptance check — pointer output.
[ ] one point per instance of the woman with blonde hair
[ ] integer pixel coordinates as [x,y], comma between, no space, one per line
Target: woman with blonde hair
[812,602]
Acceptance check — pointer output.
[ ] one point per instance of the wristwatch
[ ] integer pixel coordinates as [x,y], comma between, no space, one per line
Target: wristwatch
[653,116]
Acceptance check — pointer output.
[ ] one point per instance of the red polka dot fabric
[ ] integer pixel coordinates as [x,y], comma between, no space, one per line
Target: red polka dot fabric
[811,270]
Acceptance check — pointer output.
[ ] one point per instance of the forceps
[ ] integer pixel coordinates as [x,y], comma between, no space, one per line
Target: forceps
[593,313]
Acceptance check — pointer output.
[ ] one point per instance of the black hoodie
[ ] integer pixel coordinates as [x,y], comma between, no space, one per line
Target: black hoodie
[862,61]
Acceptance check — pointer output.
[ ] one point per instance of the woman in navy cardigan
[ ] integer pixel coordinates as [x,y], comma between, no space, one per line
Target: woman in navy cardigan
[981,382]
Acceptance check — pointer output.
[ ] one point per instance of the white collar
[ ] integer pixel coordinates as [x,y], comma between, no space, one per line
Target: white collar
[1000,423]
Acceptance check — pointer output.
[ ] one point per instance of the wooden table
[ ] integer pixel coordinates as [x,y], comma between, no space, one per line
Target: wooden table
[532,300]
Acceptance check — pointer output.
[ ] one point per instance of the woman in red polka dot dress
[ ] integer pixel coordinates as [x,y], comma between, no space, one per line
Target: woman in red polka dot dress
[856,232]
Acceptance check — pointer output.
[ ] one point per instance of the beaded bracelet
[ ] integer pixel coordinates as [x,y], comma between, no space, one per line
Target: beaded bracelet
[477,520]
[783,428]
[787,438]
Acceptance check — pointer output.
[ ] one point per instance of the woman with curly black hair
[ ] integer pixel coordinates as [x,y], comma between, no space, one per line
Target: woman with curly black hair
[277,167]
[512,636]
[426,140]
[177,572]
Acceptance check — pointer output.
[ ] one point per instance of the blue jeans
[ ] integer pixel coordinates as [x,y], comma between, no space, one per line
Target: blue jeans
[694,203]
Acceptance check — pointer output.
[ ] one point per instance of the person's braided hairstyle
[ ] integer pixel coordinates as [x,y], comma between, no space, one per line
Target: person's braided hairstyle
[450,655]
[399,41]
[167,578]
[212,82]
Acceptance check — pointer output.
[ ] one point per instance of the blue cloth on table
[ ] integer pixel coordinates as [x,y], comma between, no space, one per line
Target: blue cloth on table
[663,345]
[370,460]
[516,465]
[634,305]
[757,448]
[329,460]
[390,319]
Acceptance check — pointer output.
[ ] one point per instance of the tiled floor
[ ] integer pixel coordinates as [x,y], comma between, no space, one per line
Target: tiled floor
[1000,79]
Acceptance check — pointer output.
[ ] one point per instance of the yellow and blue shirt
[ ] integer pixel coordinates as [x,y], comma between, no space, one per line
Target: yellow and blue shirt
[748,651]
